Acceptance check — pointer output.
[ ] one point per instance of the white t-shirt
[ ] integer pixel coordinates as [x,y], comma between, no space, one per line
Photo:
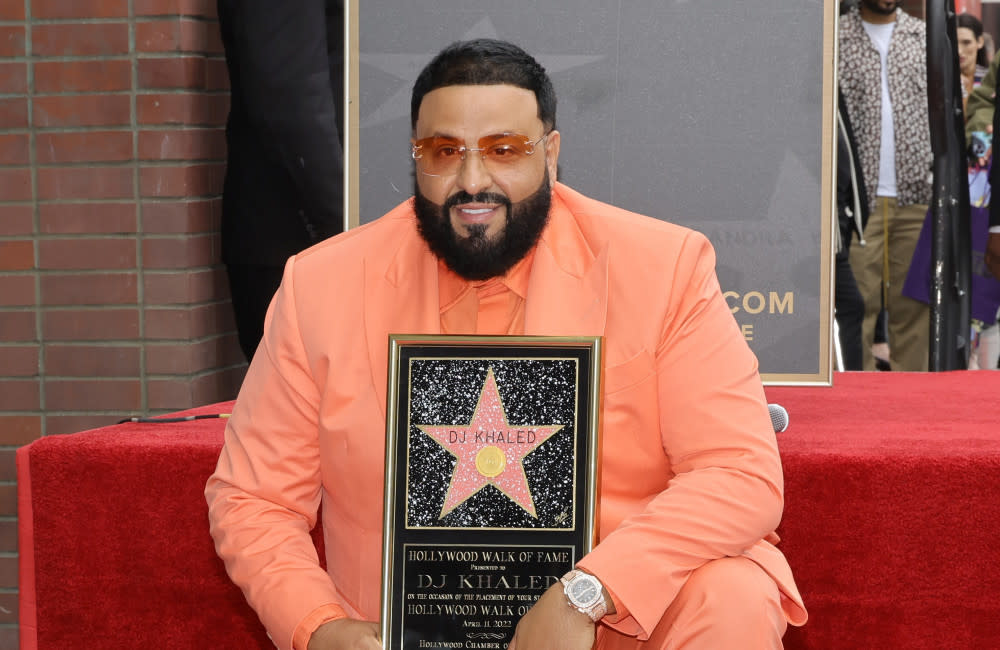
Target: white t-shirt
[881,34]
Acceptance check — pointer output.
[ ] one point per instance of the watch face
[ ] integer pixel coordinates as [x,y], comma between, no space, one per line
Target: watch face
[585,591]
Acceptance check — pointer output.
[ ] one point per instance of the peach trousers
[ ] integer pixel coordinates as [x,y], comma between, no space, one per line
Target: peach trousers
[728,603]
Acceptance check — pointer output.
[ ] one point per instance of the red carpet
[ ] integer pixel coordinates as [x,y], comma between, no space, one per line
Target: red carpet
[892,514]
[892,524]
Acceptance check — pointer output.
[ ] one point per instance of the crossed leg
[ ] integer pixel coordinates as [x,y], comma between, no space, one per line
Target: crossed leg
[728,603]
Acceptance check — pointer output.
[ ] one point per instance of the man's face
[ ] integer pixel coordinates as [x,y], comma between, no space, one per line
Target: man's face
[884,7]
[482,214]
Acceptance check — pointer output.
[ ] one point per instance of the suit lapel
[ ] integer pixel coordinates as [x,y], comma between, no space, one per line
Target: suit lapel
[568,289]
[401,297]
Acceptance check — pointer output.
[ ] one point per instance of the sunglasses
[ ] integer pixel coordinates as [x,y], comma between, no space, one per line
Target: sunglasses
[442,155]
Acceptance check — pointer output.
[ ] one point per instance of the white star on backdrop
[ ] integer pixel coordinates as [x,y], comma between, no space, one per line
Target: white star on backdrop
[406,67]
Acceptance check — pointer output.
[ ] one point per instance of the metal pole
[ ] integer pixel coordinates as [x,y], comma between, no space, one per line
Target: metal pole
[951,241]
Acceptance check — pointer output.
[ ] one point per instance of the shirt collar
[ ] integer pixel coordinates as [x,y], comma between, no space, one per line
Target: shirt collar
[452,287]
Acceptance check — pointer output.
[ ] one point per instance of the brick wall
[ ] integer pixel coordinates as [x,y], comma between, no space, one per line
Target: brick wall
[112,299]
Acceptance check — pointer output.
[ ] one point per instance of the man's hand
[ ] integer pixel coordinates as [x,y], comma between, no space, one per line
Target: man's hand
[552,624]
[993,254]
[345,634]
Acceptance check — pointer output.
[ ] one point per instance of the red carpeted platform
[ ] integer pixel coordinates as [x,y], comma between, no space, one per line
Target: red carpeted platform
[892,509]
[892,524]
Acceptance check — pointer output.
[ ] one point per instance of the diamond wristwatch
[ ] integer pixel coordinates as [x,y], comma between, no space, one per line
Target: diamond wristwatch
[585,593]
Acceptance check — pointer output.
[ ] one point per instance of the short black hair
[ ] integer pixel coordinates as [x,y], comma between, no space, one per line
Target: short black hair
[486,62]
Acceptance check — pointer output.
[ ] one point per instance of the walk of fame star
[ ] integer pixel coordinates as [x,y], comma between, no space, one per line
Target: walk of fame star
[490,451]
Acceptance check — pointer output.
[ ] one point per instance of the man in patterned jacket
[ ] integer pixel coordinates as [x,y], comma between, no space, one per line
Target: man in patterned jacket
[883,76]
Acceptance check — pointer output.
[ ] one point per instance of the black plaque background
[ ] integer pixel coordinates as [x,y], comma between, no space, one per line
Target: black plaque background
[439,383]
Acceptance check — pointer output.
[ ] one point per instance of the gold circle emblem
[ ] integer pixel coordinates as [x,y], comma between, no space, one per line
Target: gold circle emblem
[490,461]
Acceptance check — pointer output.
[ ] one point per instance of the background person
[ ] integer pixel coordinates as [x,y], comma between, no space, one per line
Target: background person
[979,118]
[283,190]
[852,215]
[972,61]
[883,78]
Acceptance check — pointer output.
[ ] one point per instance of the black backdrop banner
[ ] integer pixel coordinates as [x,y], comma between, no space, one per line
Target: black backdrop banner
[715,115]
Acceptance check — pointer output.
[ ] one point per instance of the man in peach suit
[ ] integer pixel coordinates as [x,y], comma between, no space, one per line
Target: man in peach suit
[691,484]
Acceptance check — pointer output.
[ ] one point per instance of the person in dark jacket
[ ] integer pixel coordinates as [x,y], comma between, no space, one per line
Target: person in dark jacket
[852,216]
[284,176]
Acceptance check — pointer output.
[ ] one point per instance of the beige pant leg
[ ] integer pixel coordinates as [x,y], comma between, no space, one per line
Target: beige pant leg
[909,319]
[726,604]
[867,263]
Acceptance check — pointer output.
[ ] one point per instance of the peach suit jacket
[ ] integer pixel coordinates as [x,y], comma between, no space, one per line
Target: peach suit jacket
[690,469]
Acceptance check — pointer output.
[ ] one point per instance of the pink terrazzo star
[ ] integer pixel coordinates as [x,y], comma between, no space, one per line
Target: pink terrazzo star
[490,451]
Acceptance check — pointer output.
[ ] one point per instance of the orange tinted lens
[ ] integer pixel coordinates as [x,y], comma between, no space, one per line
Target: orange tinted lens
[505,149]
[438,155]
[443,156]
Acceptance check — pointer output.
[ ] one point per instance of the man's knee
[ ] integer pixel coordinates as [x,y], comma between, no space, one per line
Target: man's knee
[730,584]
[727,603]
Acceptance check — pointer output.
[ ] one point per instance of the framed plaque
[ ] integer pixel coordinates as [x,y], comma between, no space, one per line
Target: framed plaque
[491,466]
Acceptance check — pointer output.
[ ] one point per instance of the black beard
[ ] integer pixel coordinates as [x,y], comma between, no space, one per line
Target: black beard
[477,257]
[872,5]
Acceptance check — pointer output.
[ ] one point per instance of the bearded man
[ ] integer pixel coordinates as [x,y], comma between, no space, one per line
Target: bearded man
[691,485]
[883,78]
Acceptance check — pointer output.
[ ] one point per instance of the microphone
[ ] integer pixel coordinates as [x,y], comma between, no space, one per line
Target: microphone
[779,417]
